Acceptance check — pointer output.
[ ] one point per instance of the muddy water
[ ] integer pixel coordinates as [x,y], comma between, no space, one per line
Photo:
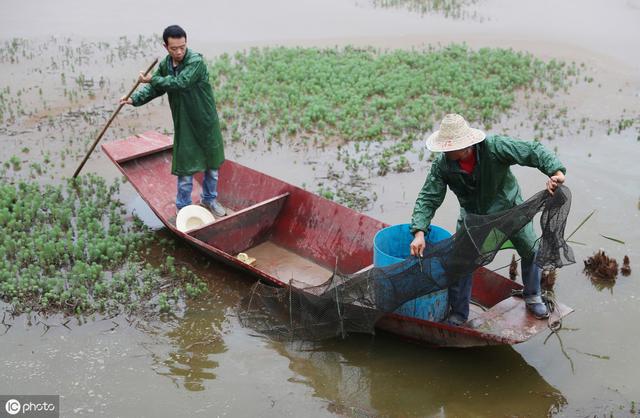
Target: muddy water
[202,362]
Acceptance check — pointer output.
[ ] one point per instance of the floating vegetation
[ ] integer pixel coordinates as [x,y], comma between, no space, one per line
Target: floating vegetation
[391,98]
[548,279]
[49,124]
[513,268]
[14,162]
[366,94]
[66,248]
[353,191]
[623,124]
[14,50]
[456,9]
[79,66]
[626,266]
[384,100]
[619,241]
[601,268]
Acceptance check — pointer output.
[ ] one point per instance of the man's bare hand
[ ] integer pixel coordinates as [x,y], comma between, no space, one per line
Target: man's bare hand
[418,244]
[124,100]
[554,181]
[144,78]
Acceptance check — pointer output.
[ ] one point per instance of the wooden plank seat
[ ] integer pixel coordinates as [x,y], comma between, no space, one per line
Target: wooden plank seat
[242,229]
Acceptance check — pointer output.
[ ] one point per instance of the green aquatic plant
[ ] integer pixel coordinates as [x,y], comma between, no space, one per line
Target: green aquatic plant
[363,94]
[66,248]
[15,162]
[388,98]
[624,123]
[326,193]
[163,303]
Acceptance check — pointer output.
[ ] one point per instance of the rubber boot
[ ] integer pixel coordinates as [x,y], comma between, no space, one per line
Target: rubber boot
[459,296]
[531,276]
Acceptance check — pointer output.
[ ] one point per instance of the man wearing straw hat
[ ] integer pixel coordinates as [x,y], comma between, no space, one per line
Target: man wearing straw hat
[197,142]
[477,169]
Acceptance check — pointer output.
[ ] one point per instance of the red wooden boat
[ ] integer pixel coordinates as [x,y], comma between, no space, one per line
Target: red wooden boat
[293,233]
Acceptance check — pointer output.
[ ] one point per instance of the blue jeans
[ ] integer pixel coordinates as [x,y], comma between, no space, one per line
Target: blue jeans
[460,292]
[209,188]
[524,241]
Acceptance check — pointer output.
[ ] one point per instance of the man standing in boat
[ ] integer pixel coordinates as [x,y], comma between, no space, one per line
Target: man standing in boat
[477,169]
[197,141]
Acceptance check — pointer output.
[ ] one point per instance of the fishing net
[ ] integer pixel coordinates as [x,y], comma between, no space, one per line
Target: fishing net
[349,303]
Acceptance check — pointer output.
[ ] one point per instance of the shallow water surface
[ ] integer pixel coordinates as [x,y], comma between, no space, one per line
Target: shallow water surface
[202,362]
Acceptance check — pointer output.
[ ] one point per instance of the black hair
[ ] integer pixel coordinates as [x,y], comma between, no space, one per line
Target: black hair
[173,31]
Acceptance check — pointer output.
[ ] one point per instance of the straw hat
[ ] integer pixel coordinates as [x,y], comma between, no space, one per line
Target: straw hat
[454,134]
[193,216]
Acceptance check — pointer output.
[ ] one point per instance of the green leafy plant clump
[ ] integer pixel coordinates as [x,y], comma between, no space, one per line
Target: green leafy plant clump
[365,94]
[66,248]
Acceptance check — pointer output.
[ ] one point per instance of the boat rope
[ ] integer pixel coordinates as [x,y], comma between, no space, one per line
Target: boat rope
[290,309]
[549,299]
[478,304]
[340,319]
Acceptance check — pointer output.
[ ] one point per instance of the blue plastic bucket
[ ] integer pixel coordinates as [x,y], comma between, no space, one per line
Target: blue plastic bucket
[390,246]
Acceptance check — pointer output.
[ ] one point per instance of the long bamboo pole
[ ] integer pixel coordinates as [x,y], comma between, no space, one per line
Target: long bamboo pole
[113,116]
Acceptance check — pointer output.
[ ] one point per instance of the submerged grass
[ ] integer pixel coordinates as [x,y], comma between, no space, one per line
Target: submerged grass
[66,248]
[455,9]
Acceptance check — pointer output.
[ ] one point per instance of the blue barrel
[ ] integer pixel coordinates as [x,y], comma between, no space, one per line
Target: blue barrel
[390,246]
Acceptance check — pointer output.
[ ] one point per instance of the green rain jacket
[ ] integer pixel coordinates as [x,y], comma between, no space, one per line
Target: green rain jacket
[490,188]
[197,142]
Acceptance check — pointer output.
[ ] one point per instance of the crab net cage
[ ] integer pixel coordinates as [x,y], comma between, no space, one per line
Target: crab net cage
[348,303]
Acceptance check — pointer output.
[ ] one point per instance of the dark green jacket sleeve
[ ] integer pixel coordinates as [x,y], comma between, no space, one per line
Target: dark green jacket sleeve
[528,153]
[429,199]
[192,73]
[146,93]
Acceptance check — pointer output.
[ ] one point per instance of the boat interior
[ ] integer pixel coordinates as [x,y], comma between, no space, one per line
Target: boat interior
[282,231]
[285,231]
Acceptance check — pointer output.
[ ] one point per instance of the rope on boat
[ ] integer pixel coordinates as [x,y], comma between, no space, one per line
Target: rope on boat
[290,309]
[340,318]
[549,299]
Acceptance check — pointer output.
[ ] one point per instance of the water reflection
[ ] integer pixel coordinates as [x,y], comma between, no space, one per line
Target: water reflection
[184,353]
[383,376]
[184,347]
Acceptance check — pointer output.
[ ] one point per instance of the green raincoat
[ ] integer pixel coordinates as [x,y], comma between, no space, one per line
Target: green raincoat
[197,142]
[490,188]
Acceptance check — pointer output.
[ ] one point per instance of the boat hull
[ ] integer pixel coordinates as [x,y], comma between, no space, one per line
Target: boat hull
[295,234]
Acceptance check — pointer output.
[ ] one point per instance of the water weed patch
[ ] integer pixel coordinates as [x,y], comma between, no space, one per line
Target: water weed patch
[67,248]
[377,105]
[455,9]
[355,94]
